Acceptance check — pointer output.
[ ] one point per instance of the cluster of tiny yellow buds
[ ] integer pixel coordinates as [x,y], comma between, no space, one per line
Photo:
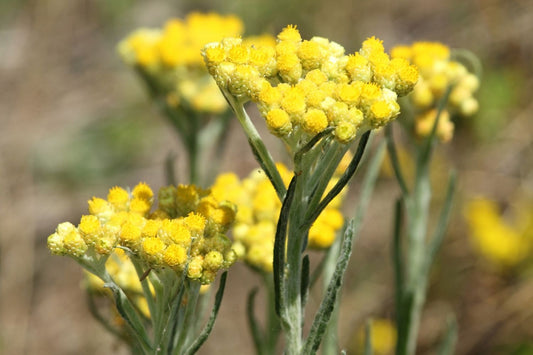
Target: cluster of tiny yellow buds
[189,225]
[171,58]
[437,73]
[502,243]
[303,87]
[258,212]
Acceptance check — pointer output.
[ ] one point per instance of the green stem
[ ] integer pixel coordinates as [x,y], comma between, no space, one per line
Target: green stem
[273,326]
[193,290]
[257,145]
[296,238]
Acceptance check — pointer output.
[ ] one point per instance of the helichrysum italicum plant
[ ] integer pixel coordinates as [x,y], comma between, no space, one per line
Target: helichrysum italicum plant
[318,101]
[174,249]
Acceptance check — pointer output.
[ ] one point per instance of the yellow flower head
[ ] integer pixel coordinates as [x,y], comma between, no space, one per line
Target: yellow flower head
[503,244]
[170,56]
[298,97]
[436,72]
[159,239]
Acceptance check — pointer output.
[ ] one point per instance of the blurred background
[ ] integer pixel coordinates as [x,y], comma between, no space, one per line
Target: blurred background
[75,121]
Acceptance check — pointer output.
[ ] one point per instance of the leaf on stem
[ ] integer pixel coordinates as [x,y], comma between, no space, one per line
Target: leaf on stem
[254,326]
[209,325]
[127,311]
[299,154]
[96,314]
[397,255]
[444,218]
[341,183]
[304,286]
[279,247]
[319,326]
[395,162]
[369,182]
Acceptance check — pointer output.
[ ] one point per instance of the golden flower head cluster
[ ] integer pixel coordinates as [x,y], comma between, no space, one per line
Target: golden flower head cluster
[437,72]
[258,212]
[303,87]
[186,231]
[502,243]
[170,58]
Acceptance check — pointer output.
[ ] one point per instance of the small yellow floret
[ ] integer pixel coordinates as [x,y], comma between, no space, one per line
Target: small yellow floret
[316,76]
[99,207]
[143,192]
[175,256]
[130,234]
[151,228]
[380,110]
[239,54]
[293,101]
[213,260]
[195,268]
[315,121]
[118,197]
[153,248]
[345,132]
[278,122]
[196,222]
[140,206]
[89,225]
[290,34]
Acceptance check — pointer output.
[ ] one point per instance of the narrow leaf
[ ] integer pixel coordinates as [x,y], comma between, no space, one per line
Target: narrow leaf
[127,311]
[444,219]
[211,322]
[397,254]
[341,183]
[279,247]
[304,291]
[368,185]
[252,322]
[395,162]
[318,328]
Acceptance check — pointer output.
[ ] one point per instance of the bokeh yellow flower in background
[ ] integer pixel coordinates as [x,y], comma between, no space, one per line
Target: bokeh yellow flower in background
[258,209]
[502,243]
[169,58]
[383,339]
[437,72]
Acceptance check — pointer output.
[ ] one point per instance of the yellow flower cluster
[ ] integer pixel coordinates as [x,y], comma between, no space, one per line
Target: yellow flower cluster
[503,244]
[170,58]
[303,87]
[437,72]
[258,213]
[187,230]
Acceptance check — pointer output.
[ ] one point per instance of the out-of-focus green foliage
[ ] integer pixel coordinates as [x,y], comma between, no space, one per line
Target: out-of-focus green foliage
[106,147]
